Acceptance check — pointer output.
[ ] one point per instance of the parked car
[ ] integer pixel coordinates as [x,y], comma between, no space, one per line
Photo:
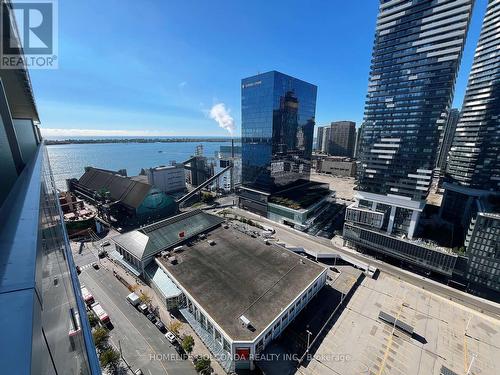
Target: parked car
[134,299]
[78,270]
[102,254]
[170,337]
[95,265]
[159,324]
[143,308]
[152,317]
[138,372]
[106,243]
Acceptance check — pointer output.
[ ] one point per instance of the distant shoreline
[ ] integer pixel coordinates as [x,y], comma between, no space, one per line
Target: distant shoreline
[51,142]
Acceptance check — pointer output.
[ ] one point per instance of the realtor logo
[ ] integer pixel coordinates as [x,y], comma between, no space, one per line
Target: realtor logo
[30,34]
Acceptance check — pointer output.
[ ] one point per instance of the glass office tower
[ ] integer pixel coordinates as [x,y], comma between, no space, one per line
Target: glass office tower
[43,321]
[277,125]
[416,55]
[473,160]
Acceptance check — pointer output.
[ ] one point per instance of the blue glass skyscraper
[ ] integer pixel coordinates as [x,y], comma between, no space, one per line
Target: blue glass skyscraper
[277,133]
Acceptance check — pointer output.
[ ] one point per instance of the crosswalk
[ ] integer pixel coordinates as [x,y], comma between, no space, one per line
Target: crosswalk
[85,266]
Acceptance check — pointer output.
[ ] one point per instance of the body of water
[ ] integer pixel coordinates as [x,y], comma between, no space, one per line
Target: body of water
[69,161]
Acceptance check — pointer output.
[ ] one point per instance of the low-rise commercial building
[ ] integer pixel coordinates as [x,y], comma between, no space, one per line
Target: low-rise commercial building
[335,165]
[169,179]
[136,249]
[121,199]
[240,293]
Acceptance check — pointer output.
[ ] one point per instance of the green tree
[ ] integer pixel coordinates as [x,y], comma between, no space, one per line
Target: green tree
[203,364]
[145,298]
[188,343]
[93,320]
[174,327]
[101,338]
[110,360]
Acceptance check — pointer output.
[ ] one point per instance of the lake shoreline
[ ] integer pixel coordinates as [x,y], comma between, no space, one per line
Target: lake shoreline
[54,142]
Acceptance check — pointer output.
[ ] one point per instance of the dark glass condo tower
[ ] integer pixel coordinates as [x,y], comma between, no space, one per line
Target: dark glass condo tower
[277,125]
[416,55]
[473,168]
[474,157]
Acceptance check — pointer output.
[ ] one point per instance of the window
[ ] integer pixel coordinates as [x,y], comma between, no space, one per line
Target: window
[277,326]
[226,345]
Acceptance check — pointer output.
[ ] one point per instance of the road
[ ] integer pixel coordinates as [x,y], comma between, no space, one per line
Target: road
[296,238]
[143,345]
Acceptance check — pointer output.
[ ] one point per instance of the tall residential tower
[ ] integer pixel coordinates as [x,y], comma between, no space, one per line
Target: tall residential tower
[474,157]
[416,55]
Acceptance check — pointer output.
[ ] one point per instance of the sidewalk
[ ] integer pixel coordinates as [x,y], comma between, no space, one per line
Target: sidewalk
[199,348]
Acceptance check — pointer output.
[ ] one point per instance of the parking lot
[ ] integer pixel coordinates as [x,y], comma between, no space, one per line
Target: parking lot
[446,335]
[142,344]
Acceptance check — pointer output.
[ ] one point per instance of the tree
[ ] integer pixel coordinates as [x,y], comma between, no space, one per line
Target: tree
[174,327]
[101,338]
[145,298]
[188,343]
[110,360]
[93,320]
[207,197]
[203,364]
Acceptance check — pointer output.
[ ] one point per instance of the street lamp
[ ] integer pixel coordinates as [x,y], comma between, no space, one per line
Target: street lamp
[309,333]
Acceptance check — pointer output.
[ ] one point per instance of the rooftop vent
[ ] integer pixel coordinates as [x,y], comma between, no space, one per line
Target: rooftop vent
[172,260]
[247,323]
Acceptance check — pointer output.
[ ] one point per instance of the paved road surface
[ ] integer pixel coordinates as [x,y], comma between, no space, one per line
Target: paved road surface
[143,346]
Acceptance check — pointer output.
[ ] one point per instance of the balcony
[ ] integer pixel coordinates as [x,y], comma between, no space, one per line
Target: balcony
[44,328]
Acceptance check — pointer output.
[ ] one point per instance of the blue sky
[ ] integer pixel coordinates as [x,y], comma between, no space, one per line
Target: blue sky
[158,67]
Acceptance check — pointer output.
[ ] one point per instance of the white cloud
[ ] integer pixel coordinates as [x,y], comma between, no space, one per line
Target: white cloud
[221,114]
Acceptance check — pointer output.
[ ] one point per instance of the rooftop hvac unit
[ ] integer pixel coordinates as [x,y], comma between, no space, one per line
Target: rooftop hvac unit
[244,320]
[177,248]
[172,260]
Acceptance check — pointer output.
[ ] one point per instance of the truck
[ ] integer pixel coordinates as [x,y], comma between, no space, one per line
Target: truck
[101,314]
[133,299]
[87,296]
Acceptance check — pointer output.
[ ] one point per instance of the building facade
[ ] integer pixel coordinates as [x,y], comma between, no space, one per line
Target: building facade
[416,55]
[336,166]
[473,159]
[482,245]
[44,325]
[168,179]
[277,130]
[446,138]
[342,138]
[319,139]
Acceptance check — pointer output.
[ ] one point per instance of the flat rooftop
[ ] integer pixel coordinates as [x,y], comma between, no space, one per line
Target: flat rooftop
[241,275]
[361,343]
[301,196]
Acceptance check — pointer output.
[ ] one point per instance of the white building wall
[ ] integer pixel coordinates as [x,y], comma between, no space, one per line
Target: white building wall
[168,179]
